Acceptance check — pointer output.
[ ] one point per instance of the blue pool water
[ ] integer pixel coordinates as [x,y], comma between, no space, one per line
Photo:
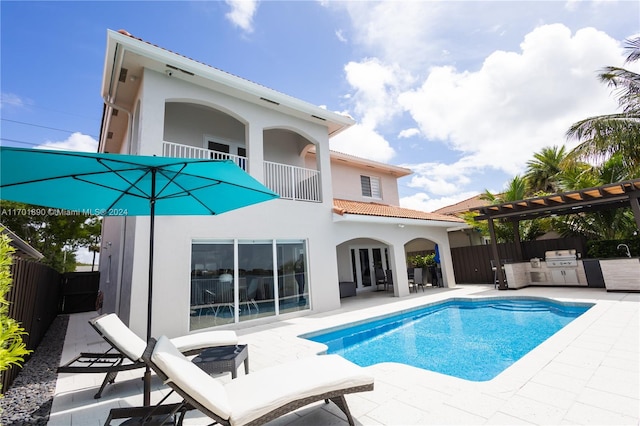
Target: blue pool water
[471,339]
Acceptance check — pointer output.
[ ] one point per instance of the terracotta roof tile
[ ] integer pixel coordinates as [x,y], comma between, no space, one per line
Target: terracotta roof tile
[342,207]
[462,206]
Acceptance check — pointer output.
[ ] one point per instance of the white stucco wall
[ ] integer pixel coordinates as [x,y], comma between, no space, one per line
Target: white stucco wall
[277,219]
[188,123]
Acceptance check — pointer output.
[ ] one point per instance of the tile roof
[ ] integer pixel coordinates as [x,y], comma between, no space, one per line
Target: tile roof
[342,207]
[462,206]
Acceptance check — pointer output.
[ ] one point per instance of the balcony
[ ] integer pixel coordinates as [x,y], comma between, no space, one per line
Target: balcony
[290,182]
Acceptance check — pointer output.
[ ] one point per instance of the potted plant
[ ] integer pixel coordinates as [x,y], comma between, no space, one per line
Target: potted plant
[424,262]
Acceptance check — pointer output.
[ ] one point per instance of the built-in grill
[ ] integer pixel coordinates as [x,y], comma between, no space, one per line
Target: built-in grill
[561,258]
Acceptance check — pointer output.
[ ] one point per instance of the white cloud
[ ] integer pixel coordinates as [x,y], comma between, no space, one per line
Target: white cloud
[340,35]
[518,102]
[571,5]
[376,86]
[422,201]
[11,100]
[242,13]
[76,142]
[440,178]
[407,133]
[363,142]
[397,32]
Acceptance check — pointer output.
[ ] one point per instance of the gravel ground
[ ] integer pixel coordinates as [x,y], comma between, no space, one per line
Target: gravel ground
[28,401]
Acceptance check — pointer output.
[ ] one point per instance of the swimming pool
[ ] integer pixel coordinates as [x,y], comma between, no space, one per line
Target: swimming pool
[473,339]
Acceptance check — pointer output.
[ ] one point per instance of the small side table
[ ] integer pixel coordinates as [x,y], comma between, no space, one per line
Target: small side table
[223,359]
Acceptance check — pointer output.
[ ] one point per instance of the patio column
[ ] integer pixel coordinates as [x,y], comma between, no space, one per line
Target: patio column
[502,285]
[255,151]
[399,262]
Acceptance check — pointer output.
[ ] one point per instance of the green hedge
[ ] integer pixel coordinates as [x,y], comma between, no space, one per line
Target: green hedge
[609,248]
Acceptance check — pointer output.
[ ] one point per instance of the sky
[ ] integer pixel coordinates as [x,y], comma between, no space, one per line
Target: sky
[463,93]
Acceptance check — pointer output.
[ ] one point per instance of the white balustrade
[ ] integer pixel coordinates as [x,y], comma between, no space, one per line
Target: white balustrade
[290,182]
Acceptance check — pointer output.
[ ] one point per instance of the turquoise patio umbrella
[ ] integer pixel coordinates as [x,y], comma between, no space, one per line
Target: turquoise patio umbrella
[127,185]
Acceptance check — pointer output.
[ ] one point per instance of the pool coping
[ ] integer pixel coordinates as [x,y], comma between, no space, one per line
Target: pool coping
[583,374]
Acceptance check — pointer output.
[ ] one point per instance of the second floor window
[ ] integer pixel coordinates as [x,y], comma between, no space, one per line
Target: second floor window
[370,187]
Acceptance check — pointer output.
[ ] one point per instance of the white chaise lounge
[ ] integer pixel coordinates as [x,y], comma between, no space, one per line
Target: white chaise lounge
[263,395]
[127,348]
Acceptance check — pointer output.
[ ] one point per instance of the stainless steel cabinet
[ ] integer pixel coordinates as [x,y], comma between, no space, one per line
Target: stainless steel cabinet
[564,276]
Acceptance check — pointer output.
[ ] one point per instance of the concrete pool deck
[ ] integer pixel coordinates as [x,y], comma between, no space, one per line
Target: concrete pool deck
[587,373]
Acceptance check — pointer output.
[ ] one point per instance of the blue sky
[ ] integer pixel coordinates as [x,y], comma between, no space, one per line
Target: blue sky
[461,92]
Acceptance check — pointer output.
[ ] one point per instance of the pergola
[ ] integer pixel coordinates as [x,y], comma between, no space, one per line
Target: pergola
[606,197]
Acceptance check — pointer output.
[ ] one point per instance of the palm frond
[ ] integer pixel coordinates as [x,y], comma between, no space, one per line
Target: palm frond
[633,45]
[626,85]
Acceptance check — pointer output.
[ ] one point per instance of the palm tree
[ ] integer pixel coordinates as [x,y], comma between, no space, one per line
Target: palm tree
[605,135]
[543,170]
[606,224]
[515,190]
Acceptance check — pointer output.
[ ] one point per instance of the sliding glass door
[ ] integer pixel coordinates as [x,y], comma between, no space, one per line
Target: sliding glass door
[239,280]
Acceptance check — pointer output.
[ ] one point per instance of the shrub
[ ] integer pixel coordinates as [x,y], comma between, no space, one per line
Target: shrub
[603,249]
[12,348]
[420,261]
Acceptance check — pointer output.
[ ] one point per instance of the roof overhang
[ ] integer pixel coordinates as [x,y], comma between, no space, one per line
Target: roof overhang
[123,48]
[22,247]
[606,197]
[369,164]
[396,221]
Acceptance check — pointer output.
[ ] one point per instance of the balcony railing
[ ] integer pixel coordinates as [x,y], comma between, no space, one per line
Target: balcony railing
[290,182]
[170,149]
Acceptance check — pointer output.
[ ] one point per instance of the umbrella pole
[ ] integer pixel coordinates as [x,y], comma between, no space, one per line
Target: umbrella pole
[152,205]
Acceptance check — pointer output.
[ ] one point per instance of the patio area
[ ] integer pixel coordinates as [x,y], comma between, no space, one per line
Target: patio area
[587,373]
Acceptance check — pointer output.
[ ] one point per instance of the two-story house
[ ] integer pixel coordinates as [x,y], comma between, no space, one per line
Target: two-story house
[336,218]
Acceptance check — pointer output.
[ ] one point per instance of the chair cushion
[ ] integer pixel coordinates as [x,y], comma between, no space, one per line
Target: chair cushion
[190,378]
[254,395]
[132,346]
[121,336]
[204,340]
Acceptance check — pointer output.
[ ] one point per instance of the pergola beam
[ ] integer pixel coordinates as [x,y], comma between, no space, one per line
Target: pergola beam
[591,199]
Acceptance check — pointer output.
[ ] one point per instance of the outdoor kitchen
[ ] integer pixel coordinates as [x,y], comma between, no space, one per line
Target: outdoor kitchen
[567,268]
[559,267]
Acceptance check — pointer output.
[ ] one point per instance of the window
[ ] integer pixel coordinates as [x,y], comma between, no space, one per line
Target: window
[370,186]
[239,280]
[222,146]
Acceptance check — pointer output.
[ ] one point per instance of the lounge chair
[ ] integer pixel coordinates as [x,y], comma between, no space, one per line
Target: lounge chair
[263,395]
[127,348]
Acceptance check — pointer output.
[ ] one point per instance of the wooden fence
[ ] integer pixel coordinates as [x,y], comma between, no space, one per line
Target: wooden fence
[38,294]
[34,304]
[472,265]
